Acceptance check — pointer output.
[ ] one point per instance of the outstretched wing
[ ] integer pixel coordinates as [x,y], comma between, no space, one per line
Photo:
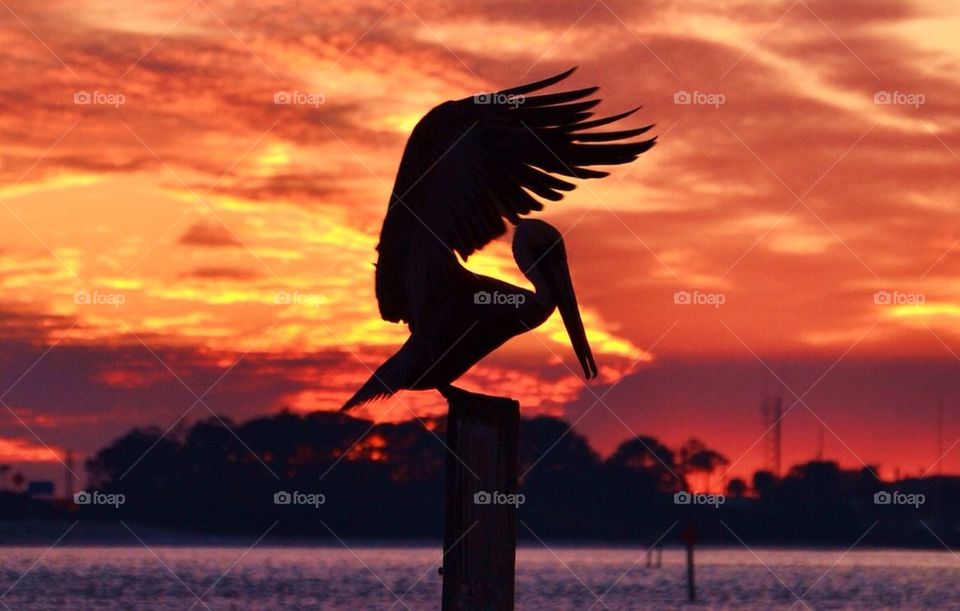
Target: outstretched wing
[470,164]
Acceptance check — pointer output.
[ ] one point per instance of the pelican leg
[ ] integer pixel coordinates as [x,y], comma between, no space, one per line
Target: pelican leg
[451,392]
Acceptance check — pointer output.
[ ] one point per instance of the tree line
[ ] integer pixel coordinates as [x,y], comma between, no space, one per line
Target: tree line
[322,472]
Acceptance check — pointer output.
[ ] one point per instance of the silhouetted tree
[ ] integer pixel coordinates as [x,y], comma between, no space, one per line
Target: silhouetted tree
[736,488]
[764,483]
[387,479]
[695,457]
[557,469]
[649,460]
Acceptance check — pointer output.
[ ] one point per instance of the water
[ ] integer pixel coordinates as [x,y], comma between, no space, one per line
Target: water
[397,578]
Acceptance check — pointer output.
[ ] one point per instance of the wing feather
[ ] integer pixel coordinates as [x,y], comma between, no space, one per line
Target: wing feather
[471,164]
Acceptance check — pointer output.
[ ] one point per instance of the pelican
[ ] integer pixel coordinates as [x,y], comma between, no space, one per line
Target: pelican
[469,166]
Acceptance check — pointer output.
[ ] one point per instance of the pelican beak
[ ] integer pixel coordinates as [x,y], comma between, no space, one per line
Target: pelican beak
[560,286]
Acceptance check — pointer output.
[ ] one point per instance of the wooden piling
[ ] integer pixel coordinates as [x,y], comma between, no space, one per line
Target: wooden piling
[480,531]
[688,535]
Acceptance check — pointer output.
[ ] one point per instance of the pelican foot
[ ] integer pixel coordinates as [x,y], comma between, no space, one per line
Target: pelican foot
[453,394]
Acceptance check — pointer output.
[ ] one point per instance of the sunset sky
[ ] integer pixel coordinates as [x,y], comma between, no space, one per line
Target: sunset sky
[156,204]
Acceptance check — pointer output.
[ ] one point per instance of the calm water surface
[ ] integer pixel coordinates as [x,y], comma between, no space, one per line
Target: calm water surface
[399,578]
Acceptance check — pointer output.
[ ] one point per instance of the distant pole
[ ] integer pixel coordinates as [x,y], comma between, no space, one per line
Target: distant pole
[480,530]
[777,433]
[689,537]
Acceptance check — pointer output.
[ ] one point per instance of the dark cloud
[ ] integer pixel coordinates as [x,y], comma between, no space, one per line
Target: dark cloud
[89,394]
[297,188]
[21,324]
[222,273]
[210,234]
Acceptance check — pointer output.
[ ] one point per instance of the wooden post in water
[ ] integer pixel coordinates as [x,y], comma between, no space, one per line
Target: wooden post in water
[480,530]
[689,537]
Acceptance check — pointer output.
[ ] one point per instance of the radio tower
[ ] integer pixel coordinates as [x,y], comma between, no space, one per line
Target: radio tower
[772,412]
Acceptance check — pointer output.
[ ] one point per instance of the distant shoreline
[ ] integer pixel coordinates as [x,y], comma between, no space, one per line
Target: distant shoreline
[41,533]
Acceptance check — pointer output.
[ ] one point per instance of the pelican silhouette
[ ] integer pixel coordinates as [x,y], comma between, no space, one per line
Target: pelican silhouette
[469,165]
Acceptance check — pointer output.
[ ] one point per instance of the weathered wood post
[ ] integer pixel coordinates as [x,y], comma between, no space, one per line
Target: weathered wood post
[480,531]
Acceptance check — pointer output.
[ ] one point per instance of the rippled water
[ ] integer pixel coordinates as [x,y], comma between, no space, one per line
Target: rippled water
[395,577]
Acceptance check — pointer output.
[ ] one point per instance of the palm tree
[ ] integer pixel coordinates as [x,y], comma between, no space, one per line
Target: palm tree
[695,457]
[649,460]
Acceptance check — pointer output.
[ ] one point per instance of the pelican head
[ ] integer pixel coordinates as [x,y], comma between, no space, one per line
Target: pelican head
[539,252]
